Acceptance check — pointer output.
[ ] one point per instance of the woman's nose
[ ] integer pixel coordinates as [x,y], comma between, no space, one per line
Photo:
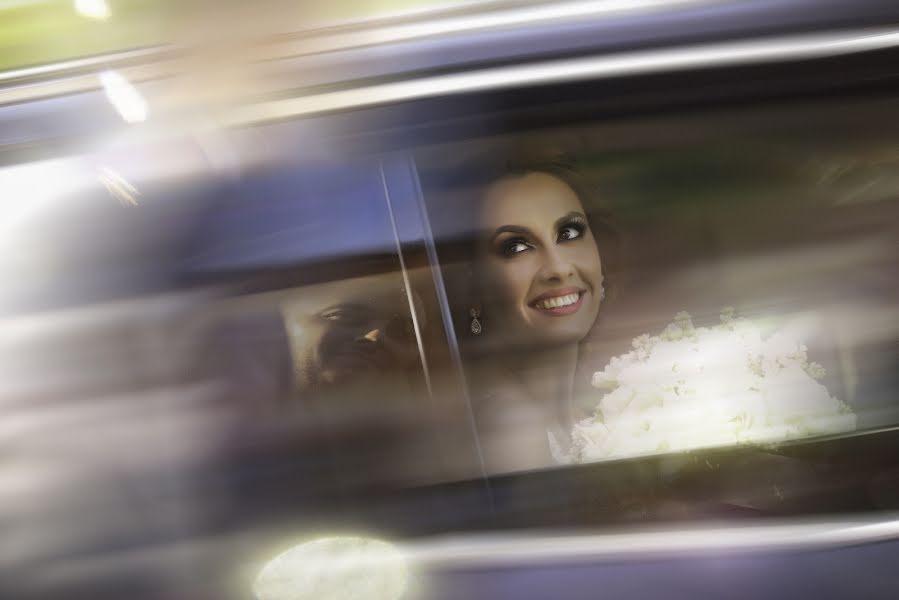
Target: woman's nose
[556,266]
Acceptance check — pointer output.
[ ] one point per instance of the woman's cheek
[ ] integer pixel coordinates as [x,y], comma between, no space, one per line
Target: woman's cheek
[518,279]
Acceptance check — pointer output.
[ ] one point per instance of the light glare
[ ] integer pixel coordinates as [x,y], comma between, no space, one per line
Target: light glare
[92,9]
[124,97]
[347,568]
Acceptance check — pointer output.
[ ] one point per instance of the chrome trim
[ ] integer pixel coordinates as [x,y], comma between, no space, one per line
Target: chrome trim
[510,549]
[403,25]
[80,65]
[666,60]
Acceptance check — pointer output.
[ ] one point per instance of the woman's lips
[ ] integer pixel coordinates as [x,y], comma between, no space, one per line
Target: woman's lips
[559,303]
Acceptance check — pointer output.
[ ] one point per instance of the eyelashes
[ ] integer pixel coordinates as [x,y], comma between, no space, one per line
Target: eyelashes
[568,231]
[514,246]
[571,230]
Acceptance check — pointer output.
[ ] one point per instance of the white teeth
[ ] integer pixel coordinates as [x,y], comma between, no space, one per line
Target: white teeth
[559,301]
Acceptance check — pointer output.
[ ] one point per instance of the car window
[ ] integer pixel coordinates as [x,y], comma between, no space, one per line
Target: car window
[659,285]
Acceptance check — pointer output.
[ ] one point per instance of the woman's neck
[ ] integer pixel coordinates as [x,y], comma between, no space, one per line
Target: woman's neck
[548,377]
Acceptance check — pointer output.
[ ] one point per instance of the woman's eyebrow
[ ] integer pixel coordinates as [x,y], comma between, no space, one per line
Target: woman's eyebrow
[512,229]
[572,215]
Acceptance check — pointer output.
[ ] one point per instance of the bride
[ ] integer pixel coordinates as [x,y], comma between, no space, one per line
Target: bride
[537,288]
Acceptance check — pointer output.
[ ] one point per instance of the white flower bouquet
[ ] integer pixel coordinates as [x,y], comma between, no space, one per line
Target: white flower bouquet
[692,387]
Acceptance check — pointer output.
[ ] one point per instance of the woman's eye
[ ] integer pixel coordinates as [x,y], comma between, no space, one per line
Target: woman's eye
[571,232]
[513,247]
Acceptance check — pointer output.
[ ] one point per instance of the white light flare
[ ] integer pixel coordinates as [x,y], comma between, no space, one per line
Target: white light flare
[29,189]
[331,568]
[93,9]
[124,97]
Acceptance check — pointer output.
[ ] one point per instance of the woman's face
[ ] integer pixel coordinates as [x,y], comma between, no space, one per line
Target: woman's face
[541,274]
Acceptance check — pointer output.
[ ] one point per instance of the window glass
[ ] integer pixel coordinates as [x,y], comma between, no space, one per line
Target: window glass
[332,338]
[286,360]
[668,284]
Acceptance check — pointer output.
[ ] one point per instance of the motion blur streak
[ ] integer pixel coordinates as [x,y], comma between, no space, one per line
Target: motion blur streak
[632,63]
[550,12]
[60,68]
[118,187]
[543,548]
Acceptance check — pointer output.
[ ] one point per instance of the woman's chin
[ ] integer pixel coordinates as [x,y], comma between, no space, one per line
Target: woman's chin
[554,331]
[548,338]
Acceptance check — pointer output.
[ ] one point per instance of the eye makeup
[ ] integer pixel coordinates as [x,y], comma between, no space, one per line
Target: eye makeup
[513,246]
[572,229]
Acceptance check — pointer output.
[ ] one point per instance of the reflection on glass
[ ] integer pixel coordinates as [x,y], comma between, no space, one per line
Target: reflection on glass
[354,341]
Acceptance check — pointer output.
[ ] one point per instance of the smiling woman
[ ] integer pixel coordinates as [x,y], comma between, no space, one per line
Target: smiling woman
[534,290]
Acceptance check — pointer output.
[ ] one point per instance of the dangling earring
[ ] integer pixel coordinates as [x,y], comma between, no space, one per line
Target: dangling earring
[602,293]
[475,326]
